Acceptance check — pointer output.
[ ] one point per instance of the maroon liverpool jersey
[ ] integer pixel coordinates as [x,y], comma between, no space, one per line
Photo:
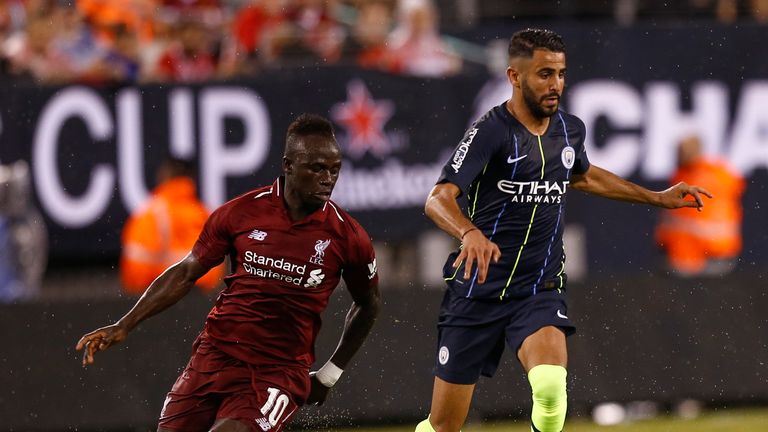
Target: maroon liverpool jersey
[282,274]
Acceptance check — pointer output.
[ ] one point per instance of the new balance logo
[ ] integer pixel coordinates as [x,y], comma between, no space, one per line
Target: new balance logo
[316,277]
[257,235]
[263,424]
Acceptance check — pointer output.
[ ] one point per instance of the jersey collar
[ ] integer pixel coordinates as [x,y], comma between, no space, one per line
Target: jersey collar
[276,197]
[554,118]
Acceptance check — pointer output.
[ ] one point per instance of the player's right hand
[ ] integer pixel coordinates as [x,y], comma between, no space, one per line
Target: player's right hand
[477,250]
[99,340]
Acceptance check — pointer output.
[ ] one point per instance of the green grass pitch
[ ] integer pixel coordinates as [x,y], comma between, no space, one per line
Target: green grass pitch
[741,420]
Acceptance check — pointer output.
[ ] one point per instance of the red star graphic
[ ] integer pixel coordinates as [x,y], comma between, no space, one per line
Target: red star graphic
[364,120]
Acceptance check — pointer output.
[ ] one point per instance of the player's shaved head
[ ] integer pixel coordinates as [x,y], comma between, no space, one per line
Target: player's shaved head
[307,125]
[524,42]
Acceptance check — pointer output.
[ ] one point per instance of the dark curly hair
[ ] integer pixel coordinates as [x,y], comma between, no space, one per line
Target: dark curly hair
[524,42]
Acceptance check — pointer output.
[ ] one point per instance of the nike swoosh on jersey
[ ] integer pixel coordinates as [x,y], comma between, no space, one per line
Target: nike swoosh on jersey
[511,160]
[560,315]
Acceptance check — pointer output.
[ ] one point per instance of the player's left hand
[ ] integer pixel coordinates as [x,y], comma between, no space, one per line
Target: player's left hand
[318,392]
[477,250]
[674,197]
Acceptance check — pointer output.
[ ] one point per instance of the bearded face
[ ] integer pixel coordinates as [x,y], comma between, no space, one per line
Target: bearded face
[540,105]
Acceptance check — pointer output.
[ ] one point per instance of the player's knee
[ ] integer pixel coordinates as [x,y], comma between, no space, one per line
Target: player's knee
[548,385]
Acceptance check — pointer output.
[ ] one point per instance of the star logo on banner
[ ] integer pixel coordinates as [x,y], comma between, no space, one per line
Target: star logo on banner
[364,119]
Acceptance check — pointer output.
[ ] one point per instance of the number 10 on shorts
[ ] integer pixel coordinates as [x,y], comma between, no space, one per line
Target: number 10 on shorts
[274,408]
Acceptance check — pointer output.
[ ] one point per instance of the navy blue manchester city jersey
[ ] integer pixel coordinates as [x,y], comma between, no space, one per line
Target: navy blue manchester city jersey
[515,183]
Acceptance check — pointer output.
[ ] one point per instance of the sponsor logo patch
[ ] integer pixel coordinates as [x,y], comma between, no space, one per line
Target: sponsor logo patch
[461,152]
[536,192]
[315,278]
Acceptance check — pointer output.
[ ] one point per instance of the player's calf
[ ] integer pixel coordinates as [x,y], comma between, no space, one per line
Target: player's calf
[550,400]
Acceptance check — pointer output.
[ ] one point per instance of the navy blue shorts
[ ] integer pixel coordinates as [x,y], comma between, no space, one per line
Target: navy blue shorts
[472,333]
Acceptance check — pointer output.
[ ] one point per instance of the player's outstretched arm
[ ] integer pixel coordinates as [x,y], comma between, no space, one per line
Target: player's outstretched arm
[163,292]
[604,183]
[360,319]
[444,211]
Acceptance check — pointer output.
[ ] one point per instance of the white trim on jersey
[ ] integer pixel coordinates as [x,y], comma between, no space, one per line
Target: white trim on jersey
[263,193]
[335,210]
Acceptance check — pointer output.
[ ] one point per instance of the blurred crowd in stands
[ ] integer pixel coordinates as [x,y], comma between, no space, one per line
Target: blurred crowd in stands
[628,12]
[103,41]
[106,41]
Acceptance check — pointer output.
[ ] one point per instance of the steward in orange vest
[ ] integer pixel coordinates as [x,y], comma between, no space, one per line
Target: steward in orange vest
[163,230]
[705,242]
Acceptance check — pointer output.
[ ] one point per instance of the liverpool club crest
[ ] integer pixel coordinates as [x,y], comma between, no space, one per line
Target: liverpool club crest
[320,247]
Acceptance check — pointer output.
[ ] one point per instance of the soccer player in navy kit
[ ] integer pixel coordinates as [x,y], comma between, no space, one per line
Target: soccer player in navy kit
[506,284]
[289,245]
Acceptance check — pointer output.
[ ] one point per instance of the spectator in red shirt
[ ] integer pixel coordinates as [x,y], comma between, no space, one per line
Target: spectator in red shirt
[289,246]
[254,23]
[190,58]
[259,32]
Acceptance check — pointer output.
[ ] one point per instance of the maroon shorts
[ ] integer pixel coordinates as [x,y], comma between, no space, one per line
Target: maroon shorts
[215,385]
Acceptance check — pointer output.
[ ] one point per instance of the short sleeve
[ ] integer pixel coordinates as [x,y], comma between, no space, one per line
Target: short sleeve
[215,239]
[473,153]
[581,165]
[360,269]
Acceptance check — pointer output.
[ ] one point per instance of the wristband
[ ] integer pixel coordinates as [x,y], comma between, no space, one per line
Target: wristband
[467,232]
[329,374]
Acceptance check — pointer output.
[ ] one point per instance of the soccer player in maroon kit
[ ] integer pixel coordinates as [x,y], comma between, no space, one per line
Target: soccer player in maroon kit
[289,245]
